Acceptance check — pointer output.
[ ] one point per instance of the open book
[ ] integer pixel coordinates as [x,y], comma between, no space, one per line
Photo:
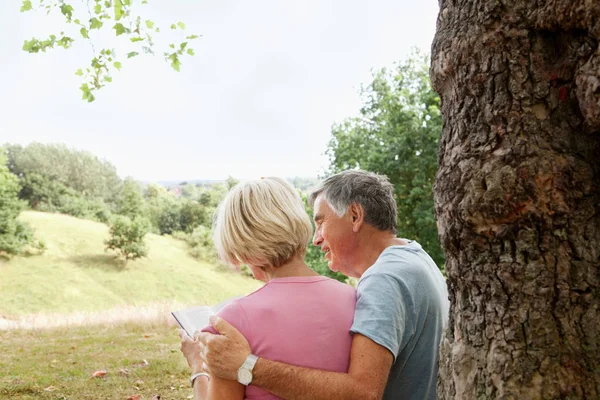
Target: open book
[195,318]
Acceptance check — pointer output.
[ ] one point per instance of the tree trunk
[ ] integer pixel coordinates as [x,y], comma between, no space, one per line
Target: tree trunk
[518,197]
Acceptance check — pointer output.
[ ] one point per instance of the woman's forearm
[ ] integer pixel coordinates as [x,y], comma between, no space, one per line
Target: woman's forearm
[201,388]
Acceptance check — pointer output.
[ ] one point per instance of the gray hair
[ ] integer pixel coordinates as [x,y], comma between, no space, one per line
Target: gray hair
[373,192]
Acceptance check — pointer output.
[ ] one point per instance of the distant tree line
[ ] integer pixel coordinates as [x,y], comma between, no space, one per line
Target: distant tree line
[56,178]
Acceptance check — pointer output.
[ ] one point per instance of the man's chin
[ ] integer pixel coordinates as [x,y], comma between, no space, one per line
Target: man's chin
[332,267]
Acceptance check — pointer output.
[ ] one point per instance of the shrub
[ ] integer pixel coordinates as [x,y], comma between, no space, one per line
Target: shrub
[127,237]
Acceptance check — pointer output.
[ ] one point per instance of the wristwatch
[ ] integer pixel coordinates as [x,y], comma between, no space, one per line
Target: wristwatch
[244,373]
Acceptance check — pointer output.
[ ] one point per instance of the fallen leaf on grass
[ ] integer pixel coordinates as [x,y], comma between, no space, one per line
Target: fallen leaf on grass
[135,397]
[50,389]
[142,363]
[99,374]
[124,371]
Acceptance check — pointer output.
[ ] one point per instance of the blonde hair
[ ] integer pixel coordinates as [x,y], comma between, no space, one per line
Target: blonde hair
[262,223]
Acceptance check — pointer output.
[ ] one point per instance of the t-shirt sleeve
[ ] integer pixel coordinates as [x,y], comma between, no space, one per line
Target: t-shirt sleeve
[381,311]
[235,315]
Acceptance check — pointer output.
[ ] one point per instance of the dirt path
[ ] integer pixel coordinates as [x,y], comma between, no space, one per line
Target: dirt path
[151,313]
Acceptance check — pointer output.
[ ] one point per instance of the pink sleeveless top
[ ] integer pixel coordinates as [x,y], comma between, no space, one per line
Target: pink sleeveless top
[302,321]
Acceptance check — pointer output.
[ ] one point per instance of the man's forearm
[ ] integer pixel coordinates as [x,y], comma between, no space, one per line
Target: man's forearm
[295,383]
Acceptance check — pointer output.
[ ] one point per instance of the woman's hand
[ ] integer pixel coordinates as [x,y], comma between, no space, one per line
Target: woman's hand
[191,351]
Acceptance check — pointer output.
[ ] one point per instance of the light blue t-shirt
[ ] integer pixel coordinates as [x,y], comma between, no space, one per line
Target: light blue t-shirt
[402,305]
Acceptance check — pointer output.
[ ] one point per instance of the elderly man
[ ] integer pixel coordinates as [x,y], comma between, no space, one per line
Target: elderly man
[401,310]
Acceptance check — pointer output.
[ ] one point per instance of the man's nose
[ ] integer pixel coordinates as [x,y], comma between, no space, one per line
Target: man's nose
[317,238]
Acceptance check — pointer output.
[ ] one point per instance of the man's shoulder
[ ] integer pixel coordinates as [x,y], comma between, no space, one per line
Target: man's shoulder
[397,261]
[408,268]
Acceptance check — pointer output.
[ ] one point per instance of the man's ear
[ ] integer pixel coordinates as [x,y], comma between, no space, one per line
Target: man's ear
[357,212]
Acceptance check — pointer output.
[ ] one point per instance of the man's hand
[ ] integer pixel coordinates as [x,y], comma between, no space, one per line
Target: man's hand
[223,354]
[191,351]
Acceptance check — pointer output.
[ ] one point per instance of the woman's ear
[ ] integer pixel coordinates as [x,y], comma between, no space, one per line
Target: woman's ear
[357,212]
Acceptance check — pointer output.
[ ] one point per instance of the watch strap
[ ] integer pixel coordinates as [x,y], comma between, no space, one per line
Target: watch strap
[250,362]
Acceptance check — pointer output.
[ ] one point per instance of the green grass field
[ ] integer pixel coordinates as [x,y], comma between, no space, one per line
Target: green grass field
[75,273]
[58,364]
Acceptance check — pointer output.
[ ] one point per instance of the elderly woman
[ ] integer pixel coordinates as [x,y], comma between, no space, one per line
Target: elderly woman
[298,317]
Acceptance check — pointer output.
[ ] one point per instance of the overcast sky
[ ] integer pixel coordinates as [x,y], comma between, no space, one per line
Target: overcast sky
[268,80]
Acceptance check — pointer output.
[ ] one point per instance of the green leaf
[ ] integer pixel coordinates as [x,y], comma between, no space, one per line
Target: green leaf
[175,63]
[31,46]
[172,46]
[98,9]
[95,23]
[26,6]
[136,39]
[192,37]
[84,33]
[67,11]
[118,9]
[183,45]
[79,72]
[191,52]
[132,54]
[149,24]
[173,26]
[117,65]
[181,25]
[86,92]
[65,42]
[108,79]
[119,28]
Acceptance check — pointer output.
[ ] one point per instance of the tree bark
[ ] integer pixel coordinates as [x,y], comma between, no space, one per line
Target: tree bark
[517,197]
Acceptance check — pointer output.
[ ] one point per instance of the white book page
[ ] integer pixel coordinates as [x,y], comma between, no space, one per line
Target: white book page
[196,318]
[193,319]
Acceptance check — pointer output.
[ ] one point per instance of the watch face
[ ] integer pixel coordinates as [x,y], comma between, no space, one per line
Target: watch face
[244,376]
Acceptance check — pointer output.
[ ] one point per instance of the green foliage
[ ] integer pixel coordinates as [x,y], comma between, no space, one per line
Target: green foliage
[397,134]
[201,243]
[231,182]
[14,235]
[129,201]
[56,164]
[169,219]
[47,195]
[127,237]
[119,17]
[192,215]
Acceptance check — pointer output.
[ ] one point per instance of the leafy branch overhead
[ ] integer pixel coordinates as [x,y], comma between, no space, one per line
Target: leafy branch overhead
[118,17]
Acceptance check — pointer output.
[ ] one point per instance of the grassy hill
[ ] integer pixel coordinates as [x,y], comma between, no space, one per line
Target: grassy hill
[76,274]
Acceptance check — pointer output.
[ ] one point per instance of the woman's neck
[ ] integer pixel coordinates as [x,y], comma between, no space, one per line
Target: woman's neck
[294,267]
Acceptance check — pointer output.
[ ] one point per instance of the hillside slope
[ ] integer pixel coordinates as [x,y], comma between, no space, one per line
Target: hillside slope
[76,274]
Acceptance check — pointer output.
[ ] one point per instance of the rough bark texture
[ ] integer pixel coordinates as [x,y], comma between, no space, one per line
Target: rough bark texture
[518,197]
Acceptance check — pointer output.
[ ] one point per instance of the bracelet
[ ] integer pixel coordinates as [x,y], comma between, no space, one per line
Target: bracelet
[193,377]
